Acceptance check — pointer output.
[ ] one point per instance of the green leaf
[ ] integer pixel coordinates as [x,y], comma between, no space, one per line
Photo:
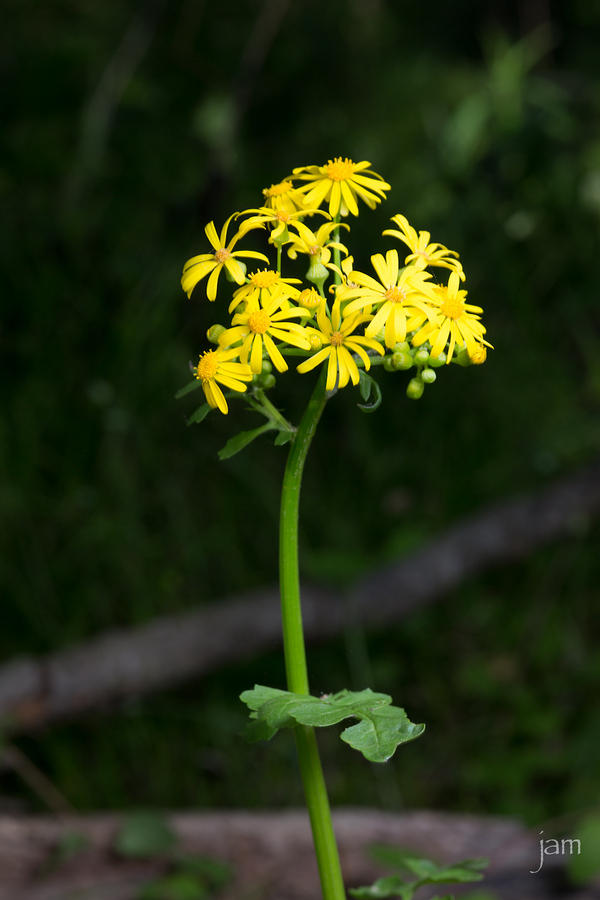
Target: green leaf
[144,834]
[381,728]
[584,865]
[241,440]
[368,388]
[425,870]
[199,414]
[179,886]
[191,386]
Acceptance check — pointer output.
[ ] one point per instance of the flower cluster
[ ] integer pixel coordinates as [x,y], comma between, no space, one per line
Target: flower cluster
[402,316]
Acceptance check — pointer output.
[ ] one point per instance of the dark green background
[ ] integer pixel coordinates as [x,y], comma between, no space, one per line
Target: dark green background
[128,127]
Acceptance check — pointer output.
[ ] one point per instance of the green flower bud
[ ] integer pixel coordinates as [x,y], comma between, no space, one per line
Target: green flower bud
[402,347]
[230,277]
[388,364]
[214,333]
[267,366]
[267,381]
[415,388]
[428,376]
[437,361]
[281,239]
[421,356]
[462,358]
[317,273]
[402,360]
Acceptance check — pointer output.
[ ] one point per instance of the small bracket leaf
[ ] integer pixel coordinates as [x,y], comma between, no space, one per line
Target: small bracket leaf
[190,386]
[241,440]
[381,728]
[199,414]
[368,388]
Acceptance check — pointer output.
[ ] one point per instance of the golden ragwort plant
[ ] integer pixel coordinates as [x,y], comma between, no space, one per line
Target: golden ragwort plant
[399,318]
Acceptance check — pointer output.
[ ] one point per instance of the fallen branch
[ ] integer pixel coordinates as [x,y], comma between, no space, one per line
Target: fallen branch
[270,852]
[169,650]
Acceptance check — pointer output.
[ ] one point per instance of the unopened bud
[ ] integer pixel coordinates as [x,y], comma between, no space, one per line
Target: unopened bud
[317,273]
[479,355]
[415,388]
[428,376]
[388,364]
[214,333]
[267,381]
[421,356]
[316,341]
[267,366]
[437,361]
[462,358]
[402,347]
[402,360]
[309,299]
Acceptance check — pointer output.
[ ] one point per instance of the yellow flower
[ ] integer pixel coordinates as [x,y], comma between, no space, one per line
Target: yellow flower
[341,181]
[398,294]
[263,287]
[347,288]
[217,366]
[283,196]
[455,320]
[315,244]
[341,344]
[279,218]
[258,326]
[198,267]
[422,253]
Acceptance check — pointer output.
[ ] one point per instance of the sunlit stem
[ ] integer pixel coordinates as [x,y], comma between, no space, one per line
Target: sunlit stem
[311,770]
[271,411]
[337,254]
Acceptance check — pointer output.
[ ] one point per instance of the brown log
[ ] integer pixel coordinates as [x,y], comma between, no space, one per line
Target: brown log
[169,650]
[271,853]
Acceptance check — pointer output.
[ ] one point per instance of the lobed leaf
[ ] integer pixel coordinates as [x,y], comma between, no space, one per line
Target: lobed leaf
[381,728]
[427,872]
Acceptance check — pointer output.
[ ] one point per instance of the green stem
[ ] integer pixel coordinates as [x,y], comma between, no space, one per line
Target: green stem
[279,248]
[295,655]
[271,411]
[337,253]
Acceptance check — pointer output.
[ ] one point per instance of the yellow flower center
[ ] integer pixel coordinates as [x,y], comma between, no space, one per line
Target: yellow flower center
[208,365]
[259,321]
[337,338]
[339,169]
[395,294]
[452,308]
[309,298]
[264,279]
[276,190]
[314,250]
[222,254]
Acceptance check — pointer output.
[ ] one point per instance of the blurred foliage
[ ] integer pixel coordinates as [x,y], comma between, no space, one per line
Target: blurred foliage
[126,128]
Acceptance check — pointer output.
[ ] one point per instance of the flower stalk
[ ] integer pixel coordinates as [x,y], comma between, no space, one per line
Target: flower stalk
[294,650]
